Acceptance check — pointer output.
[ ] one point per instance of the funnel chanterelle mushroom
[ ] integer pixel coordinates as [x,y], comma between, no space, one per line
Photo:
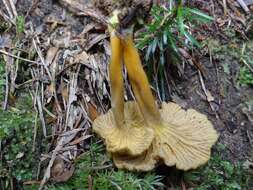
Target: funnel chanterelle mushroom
[138,134]
[122,126]
[182,138]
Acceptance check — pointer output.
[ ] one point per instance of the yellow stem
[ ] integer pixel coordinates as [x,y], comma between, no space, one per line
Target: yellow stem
[139,82]
[116,80]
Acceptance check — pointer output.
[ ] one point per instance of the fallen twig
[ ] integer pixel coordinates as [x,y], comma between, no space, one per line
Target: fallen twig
[8,9]
[35,131]
[209,97]
[6,89]
[96,168]
[39,104]
[31,182]
[41,57]
[90,185]
[225,7]
[13,8]
[17,57]
[7,18]
[243,5]
[34,4]
[247,65]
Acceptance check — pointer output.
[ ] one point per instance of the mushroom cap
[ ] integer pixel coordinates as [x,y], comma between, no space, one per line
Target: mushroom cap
[143,162]
[133,138]
[185,137]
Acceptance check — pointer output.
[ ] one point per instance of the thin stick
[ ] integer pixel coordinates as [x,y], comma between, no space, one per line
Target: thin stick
[96,168]
[209,100]
[20,58]
[6,88]
[247,65]
[25,83]
[243,60]
[90,186]
[8,9]
[7,18]
[243,5]
[35,131]
[34,4]
[225,7]
[41,115]
[41,57]
[49,113]
[13,9]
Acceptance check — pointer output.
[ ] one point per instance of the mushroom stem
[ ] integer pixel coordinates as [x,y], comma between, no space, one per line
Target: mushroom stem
[139,82]
[116,80]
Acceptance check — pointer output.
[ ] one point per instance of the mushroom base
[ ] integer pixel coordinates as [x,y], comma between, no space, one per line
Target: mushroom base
[132,139]
[184,139]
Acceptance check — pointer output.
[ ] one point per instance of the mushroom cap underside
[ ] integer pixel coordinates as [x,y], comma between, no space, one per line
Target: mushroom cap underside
[133,138]
[184,139]
[143,162]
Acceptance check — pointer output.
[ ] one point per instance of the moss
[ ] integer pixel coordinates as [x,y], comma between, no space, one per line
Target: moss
[96,167]
[219,173]
[236,50]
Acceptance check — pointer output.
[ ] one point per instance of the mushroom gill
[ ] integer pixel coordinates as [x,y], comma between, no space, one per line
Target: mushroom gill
[130,138]
[182,137]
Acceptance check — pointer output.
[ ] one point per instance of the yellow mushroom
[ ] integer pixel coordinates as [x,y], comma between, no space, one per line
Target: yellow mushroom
[182,137]
[143,162]
[122,126]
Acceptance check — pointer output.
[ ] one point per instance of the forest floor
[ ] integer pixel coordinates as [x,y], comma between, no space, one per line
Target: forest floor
[53,64]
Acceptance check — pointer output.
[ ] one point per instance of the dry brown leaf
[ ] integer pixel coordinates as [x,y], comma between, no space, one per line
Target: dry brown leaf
[87,28]
[49,92]
[51,53]
[95,40]
[92,111]
[65,93]
[77,141]
[81,57]
[61,171]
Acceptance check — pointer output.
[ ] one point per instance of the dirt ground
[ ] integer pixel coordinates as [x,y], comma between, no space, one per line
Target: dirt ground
[226,110]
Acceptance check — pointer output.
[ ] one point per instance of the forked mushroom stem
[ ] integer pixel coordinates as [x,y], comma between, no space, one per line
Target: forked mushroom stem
[116,80]
[139,82]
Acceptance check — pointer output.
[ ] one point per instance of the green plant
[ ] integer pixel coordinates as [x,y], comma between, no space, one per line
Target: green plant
[96,166]
[126,180]
[3,25]
[238,51]
[246,71]
[20,24]
[219,174]
[18,161]
[169,30]
[245,76]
